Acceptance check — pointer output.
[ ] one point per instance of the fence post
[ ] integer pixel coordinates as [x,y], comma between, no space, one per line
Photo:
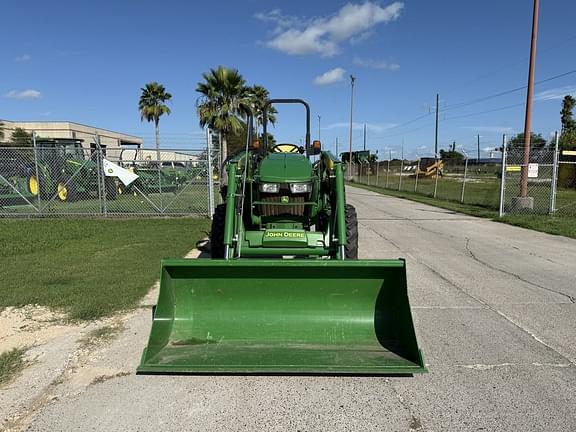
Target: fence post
[36,173]
[209,176]
[401,169]
[387,174]
[436,178]
[159,167]
[502,177]
[101,179]
[369,167]
[554,182]
[416,181]
[464,180]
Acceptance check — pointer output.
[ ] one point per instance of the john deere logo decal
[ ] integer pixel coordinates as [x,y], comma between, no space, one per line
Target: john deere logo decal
[283,234]
[285,199]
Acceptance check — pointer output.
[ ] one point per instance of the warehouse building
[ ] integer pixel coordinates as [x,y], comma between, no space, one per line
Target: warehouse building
[65,129]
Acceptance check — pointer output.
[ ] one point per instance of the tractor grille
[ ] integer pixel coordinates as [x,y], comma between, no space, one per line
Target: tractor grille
[280,210]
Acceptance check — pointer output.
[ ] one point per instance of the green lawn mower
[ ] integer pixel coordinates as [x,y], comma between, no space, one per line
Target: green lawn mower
[284,291]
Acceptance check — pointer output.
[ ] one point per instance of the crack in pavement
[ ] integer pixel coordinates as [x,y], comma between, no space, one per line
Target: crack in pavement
[493,309]
[415,422]
[509,273]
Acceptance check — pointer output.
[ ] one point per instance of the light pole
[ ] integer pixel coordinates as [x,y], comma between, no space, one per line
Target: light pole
[352,79]
[478,152]
[436,129]
[319,117]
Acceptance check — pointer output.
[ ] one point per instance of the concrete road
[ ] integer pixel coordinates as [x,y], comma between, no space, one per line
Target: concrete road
[494,309]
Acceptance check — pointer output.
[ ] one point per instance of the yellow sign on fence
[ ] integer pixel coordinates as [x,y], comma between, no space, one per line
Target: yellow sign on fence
[513,168]
[568,152]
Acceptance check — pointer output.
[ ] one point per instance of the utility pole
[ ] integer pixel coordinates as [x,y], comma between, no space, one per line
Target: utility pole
[352,79]
[319,117]
[478,154]
[453,146]
[436,134]
[364,136]
[336,146]
[523,201]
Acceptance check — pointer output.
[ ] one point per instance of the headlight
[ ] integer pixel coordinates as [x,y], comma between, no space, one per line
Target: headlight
[297,188]
[269,187]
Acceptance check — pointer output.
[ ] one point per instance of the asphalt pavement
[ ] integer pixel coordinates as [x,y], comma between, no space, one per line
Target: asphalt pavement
[494,310]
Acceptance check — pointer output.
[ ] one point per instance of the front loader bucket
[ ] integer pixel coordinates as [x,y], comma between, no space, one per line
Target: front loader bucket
[283,316]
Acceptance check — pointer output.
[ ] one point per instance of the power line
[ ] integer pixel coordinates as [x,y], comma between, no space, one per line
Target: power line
[556,45]
[404,132]
[472,102]
[485,112]
[482,99]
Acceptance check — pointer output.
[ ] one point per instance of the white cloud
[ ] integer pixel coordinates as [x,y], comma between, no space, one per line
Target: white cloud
[323,35]
[376,64]
[24,94]
[555,93]
[330,77]
[23,58]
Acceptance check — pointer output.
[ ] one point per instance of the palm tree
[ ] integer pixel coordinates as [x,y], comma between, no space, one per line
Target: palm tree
[258,97]
[152,106]
[223,95]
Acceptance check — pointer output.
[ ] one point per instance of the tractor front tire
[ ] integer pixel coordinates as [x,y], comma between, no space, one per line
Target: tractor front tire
[351,248]
[217,232]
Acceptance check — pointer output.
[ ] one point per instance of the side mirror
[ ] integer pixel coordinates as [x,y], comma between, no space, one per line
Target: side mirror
[316,147]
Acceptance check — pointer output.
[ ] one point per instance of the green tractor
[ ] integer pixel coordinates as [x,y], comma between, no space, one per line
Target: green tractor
[17,176]
[66,172]
[152,176]
[284,291]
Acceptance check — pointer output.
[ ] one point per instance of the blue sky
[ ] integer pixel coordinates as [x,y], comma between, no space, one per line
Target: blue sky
[63,61]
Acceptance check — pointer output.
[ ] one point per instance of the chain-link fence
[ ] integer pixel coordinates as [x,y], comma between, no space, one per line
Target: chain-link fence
[66,179]
[528,186]
[546,184]
[565,198]
[466,181]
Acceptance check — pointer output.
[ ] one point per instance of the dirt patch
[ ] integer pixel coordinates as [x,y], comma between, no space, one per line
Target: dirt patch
[29,326]
[101,335]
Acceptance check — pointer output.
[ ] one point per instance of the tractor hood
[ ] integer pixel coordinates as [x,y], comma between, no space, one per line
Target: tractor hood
[285,168]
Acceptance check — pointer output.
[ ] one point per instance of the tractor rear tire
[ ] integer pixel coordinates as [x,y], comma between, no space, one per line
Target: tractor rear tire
[351,248]
[217,232]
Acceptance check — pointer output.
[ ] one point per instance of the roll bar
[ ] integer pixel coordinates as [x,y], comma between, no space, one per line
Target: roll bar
[286,101]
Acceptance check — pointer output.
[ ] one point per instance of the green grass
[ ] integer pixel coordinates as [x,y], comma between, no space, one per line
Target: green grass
[558,225]
[88,268]
[192,200]
[11,363]
[481,190]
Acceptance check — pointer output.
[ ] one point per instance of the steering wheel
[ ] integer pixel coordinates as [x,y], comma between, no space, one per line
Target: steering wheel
[286,148]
